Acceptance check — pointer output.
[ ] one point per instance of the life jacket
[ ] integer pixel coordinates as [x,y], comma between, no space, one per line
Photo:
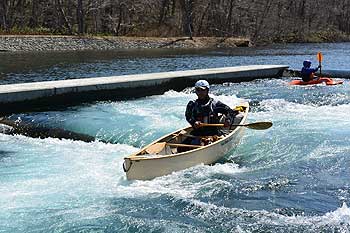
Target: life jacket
[307,74]
[205,113]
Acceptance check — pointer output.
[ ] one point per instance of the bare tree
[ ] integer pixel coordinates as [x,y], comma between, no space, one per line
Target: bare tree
[3,14]
[260,19]
[80,16]
[187,7]
[267,20]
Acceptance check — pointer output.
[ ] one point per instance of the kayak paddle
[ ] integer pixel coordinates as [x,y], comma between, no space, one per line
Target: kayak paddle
[319,58]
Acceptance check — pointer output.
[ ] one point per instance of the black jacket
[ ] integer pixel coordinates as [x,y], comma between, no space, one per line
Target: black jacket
[207,111]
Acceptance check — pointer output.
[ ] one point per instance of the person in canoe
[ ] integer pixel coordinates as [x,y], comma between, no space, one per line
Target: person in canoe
[308,73]
[207,110]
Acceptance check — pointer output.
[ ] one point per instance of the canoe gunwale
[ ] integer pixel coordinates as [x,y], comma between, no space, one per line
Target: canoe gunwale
[137,157]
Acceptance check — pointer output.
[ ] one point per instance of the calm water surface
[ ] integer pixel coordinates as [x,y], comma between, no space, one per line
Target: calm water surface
[293,177]
[43,66]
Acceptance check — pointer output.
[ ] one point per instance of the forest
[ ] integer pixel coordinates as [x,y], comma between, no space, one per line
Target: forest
[258,20]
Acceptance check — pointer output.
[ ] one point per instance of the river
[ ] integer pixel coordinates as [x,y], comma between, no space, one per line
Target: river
[293,177]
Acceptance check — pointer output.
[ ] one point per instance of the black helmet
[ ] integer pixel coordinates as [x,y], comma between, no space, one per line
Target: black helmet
[307,63]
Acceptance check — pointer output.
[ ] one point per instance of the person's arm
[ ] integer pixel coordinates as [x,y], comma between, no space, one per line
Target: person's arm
[227,111]
[304,72]
[189,113]
[307,71]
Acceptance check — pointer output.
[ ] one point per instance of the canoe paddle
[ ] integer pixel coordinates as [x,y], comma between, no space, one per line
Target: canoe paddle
[319,58]
[256,125]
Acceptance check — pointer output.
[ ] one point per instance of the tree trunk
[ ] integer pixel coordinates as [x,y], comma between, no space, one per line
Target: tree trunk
[33,20]
[260,21]
[20,11]
[163,11]
[3,14]
[65,19]
[120,19]
[187,17]
[96,15]
[229,17]
[80,17]
[200,25]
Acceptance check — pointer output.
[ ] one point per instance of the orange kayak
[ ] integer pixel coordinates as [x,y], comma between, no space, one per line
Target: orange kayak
[327,81]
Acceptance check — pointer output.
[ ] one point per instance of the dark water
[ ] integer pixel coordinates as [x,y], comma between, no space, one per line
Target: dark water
[293,177]
[43,66]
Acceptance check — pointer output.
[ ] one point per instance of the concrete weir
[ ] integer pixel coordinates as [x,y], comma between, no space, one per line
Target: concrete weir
[53,94]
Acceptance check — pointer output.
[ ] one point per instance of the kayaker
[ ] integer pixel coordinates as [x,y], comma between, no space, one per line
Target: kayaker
[207,110]
[308,73]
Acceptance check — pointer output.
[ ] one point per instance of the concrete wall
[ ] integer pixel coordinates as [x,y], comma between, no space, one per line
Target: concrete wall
[53,94]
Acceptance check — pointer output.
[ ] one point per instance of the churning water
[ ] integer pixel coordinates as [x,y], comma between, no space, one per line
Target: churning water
[293,177]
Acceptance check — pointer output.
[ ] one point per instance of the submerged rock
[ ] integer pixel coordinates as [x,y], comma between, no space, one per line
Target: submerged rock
[11,127]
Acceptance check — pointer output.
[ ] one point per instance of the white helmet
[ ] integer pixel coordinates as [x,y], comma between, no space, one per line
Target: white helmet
[202,84]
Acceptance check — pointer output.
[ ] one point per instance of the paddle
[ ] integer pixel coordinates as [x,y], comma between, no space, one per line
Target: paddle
[256,125]
[319,58]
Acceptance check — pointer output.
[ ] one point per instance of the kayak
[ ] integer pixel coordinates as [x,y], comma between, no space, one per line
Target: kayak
[161,157]
[327,81]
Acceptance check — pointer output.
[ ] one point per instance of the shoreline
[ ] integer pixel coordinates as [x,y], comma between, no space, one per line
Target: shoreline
[17,43]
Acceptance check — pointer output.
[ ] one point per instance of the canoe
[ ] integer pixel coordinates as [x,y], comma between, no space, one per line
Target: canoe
[327,81]
[161,156]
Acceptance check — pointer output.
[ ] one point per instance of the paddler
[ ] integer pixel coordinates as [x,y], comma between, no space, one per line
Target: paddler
[207,110]
[308,73]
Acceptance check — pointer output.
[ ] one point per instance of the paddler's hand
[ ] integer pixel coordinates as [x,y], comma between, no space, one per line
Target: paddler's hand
[197,124]
[227,123]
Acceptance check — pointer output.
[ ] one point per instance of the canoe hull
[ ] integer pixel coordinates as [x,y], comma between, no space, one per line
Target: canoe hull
[139,168]
[327,81]
[151,168]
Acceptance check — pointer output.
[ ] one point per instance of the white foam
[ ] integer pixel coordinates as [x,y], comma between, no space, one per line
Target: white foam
[181,184]
[338,218]
[62,168]
[164,111]
[327,149]
[301,114]
[175,94]
[231,100]
[229,169]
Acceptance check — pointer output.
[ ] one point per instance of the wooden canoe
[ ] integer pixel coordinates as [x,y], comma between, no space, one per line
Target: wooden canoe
[161,157]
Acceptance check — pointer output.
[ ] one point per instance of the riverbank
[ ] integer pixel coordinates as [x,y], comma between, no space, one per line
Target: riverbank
[13,43]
